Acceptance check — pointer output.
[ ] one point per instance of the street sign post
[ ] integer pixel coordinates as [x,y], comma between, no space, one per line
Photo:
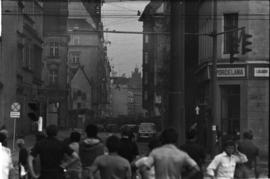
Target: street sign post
[15,114]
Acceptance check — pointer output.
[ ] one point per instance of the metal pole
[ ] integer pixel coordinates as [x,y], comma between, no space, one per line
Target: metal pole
[14,135]
[214,79]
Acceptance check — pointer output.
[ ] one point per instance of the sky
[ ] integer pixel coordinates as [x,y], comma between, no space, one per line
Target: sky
[125,50]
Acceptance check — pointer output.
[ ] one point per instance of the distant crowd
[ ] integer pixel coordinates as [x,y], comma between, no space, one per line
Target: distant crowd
[119,157]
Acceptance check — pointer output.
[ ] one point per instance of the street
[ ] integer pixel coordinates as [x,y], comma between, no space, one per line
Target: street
[143,149]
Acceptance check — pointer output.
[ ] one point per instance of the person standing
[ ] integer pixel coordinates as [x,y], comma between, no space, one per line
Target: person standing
[111,166]
[5,158]
[247,147]
[74,170]
[23,156]
[223,165]
[128,148]
[51,152]
[168,160]
[140,164]
[89,149]
[195,151]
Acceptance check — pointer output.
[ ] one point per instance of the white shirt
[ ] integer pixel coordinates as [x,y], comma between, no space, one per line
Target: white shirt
[224,165]
[150,174]
[6,162]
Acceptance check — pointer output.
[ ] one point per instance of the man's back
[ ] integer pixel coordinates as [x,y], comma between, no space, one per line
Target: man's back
[248,148]
[51,152]
[169,162]
[113,166]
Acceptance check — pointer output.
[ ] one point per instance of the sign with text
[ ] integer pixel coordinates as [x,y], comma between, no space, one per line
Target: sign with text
[15,114]
[261,72]
[231,72]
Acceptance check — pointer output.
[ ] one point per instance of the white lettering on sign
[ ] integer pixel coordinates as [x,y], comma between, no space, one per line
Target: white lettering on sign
[231,72]
[14,114]
[261,72]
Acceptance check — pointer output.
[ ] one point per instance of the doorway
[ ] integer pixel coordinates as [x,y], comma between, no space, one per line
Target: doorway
[230,111]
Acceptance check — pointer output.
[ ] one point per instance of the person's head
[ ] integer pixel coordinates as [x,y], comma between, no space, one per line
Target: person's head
[229,147]
[169,136]
[20,143]
[75,136]
[191,135]
[113,143]
[40,136]
[3,139]
[52,131]
[91,130]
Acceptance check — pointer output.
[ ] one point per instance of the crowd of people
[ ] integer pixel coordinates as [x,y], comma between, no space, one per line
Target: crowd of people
[119,158]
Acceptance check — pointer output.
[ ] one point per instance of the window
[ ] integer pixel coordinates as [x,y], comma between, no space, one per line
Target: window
[230,22]
[27,56]
[74,58]
[76,40]
[146,57]
[54,49]
[53,76]
[146,38]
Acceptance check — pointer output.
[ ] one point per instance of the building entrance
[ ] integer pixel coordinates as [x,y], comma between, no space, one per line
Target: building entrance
[230,111]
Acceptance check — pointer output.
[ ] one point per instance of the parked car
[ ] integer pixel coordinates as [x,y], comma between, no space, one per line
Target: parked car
[112,128]
[146,130]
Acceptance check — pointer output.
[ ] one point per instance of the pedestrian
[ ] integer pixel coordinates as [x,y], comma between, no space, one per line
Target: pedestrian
[168,160]
[140,164]
[247,147]
[23,156]
[51,152]
[4,131]
[128,147]
[89,149]
[223,165]
[6,165]
[112,165]
[195,151]
[74,170]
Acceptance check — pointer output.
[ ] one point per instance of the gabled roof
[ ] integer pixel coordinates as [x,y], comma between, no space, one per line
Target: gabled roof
[150,10]
[79,24]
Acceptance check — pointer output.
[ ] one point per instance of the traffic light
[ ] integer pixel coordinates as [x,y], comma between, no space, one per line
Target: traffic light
[234,49]
[234,46]
[246,42]
[33,113]
[232,58]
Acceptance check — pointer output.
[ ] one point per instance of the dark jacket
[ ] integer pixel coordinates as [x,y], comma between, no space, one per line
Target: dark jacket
[89,149]
[128,149]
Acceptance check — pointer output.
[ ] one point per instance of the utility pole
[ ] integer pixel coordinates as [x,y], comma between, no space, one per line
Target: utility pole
[177,70]
[214,80]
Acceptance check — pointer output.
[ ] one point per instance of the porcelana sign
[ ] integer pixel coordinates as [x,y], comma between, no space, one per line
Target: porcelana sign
[231,72]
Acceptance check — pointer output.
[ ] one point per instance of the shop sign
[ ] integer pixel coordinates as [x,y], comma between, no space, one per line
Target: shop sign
[261,72]
[231,72]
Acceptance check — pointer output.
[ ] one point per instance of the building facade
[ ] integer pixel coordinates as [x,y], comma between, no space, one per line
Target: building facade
[135,94]
[54,72]
[155,58]
[20,66]
[243,85]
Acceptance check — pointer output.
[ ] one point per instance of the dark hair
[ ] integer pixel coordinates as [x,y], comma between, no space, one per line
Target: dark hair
[191,134]
[169,136]
[113,143]
[248,135]
[51,130]
[229,143]
[3,138]
[40,136]
[91,130]
[75,136]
